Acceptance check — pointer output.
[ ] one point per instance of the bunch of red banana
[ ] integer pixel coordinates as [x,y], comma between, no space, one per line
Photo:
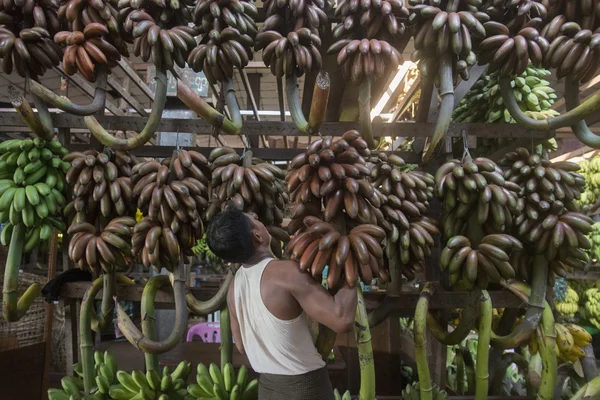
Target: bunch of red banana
[229,30]
[290,38]
[332,174]
[573,51]
[302,14]
[252,185]
[164,46]
[404,201]
[295,53]
[101,250]
[174,192]
[87,50]
[454,28]
[584,12]
[75,15]
[487,262]
[367,55]
[510,53]
[359,254]
[26,29]
[101,186]
[476,187]
[30,50]
[380,18]
[516,14]
[158,246]
[364,58]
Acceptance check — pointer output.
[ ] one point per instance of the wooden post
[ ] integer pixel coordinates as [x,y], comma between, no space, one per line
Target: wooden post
[254,86]
[52,258]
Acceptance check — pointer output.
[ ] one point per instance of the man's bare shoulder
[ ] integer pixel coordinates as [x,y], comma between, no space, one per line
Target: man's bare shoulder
[288,272]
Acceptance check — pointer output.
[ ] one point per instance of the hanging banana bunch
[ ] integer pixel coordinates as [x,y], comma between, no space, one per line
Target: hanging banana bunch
[446,34]
[229,31]
[172,198]
[26,32]
[404,198]
[583,12]
[32,183]
[550,222]
[253,186]
[364,47]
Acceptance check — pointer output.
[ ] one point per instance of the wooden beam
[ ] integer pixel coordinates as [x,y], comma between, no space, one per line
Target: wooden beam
[277,128]
[125,95]
[136,78]
[86,88]
[406,100]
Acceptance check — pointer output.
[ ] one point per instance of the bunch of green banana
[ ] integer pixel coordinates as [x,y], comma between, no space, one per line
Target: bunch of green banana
[404,198]
[446,28]
[484,103]
[590,169]
[569,306]
[105,369]
[251,184]
[338,396]
[201,249]
[151,385]
[484,263]
[475,186]
[290,38]
[101,186]
[572,51]
[581,287]
[592,306]
[571,339]
[229,30]
[32,179]
[221,385]
[549,220]
[583,12]
[26,34]
[412,392]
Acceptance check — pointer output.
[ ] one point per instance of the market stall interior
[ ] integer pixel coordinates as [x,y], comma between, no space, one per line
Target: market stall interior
[440,156]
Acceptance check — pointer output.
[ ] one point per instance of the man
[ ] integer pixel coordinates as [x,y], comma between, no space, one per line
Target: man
[268,303]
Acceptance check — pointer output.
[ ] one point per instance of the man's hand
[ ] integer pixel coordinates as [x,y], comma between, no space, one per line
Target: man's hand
[336,312]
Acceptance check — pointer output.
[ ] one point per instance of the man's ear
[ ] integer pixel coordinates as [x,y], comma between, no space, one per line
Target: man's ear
[256,237]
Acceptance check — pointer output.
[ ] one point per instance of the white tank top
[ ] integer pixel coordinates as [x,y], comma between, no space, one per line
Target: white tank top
[273,345]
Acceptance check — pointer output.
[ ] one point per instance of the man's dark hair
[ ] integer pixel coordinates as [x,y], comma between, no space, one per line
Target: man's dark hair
[229,236]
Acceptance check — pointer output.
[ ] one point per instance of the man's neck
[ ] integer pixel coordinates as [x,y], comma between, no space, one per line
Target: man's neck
[258,257]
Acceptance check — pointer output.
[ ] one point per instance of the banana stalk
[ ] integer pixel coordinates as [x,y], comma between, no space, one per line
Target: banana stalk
[576,114]
[469,368]
[419,334]
[86,342]
[208,113]
[534,311]
[207,307]
[55,100]
[14,308]
[364,111]
[362,333]
[140,340]
[483,347]
[460,373]
[588,363]
[446,91]
[467,322]
[382,312]
[147,310]
[18,101]
[160,99]
[546,338]
[580,128]
[318,107]
[293,100]
[45,118]
[226,338]
[107,308]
